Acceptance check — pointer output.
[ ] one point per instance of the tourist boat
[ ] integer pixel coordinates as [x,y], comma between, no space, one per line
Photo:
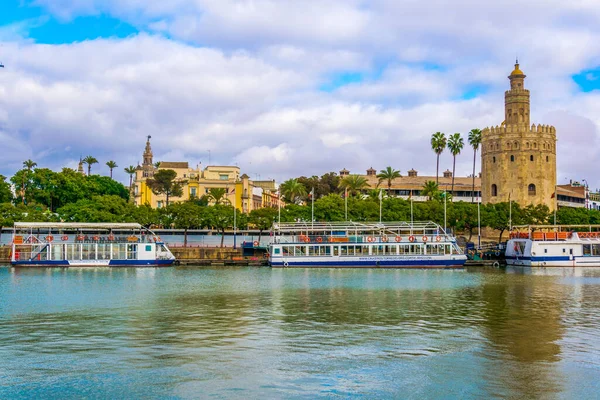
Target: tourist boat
[87,244]
[554,246]
[353,244]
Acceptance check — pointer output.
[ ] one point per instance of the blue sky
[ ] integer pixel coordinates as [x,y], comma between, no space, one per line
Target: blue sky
[288,88]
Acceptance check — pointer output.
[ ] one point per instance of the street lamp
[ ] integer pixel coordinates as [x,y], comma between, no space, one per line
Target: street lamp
[586,192]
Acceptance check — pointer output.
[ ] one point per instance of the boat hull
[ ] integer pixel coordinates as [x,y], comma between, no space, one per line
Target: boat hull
[566,253]
[93,263]
[370,262]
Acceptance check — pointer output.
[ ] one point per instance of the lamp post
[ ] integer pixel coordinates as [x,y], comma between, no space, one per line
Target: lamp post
[586,193]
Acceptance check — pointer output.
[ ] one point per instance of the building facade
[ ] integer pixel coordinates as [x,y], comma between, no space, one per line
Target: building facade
[518,160]
[411,185]
[240,190]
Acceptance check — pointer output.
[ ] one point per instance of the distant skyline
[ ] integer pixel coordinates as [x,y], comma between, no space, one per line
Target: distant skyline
[290,88]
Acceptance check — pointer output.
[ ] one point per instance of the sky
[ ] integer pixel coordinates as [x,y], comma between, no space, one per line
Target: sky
[290,88]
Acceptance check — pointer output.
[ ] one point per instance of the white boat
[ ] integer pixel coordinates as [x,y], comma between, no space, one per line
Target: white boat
[352,244]
[554,246]
[87,244]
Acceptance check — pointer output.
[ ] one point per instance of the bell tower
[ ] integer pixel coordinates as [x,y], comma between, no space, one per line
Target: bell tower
[516,100]
[147,165]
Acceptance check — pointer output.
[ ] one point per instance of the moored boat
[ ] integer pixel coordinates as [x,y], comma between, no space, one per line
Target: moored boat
[554,246]
[66,244]
[352,244]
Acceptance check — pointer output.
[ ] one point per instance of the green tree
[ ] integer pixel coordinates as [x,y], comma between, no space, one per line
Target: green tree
[217,196]
[430,189]
[438,144]
[354,184]
[185,215]
[131,172]
[89,160]
[388,175]
[292,190]
[219,217]
[108,208]
[164,182]
[28,165]
[111,165]
[5,192]
[463,217]
[455,145]
[474,141]
[499,216]
[262,219]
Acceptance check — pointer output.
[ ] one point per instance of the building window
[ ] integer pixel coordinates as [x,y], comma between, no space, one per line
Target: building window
[534,145]
[512,158]
[193,192]
[493,159]
[184,175]
[223,177]
[494,190]
[531,157]
[531,189]
[547,159]
[159,204]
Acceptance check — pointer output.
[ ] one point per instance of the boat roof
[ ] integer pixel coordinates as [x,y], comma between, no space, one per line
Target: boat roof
[77,225]
[351,225]
[589,226]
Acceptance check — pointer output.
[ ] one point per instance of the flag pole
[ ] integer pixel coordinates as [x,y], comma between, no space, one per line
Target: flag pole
[234,217]
[479,224]
[509,213]
[445,219]
[279,206]
[312,211]
[555,204]
[380,201]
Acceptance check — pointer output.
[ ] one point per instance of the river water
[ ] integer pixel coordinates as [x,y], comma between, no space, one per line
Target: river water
[302,333]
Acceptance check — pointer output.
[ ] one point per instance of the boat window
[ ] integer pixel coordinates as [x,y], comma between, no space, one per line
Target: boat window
[587,249]
[360,250]
[276,251]
[148,247]
[596,249]
[570,251]
[564,250]
[336,250]
[391,249]
[402,249]
[545,251]
[343,250]
[326,250]
[300,250]
[288,251]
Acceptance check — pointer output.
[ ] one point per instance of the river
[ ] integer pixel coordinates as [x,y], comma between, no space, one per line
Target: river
[239,333]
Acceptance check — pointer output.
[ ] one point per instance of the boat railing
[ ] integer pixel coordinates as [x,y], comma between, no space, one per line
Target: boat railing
[366,238]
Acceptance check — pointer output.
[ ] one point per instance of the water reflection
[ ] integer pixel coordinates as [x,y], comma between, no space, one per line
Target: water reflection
[246,332]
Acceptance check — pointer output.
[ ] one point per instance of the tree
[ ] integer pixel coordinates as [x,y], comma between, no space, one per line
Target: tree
[292,190]
[28,165]
[111,165]
[186,215]
[89,160]
[217,195]
[430,189]
[219,217]
[474,141]
[5,192]
[262,219]
[164,182]
[388,174]
[354,184]
[438,144]
[130,171]
[455,144]
[98,209]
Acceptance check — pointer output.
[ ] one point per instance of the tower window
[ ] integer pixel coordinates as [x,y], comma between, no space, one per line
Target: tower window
[547,159]
[531,189]
[512,158]
[531,157]
[494,190]
[534,145]
[494,159]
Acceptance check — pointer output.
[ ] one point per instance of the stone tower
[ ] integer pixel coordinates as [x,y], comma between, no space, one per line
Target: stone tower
[518,161]
[147,165]
[80,167]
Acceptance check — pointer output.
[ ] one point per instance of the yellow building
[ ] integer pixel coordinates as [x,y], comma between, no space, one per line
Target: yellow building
[518,160]
[197,182]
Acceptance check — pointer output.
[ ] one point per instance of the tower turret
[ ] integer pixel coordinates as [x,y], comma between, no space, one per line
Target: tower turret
[516,100]
[147,165]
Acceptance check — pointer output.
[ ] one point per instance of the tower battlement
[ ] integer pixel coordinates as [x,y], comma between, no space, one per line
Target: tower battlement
[518,128]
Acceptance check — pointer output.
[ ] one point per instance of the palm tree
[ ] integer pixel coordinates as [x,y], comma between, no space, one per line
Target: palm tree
[292,190]
[438,144]
[474,141]
[217,195]
[157,164]
[455,144]
[388,174]
[354,183]
[29,164]
[89,160]
[131,171]
[429,189]
[111,165]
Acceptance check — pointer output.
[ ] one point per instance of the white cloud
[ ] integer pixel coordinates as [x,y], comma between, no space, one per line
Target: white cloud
[250,95]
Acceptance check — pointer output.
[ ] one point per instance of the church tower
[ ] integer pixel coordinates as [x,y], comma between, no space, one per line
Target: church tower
[518,161]
[147,165]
